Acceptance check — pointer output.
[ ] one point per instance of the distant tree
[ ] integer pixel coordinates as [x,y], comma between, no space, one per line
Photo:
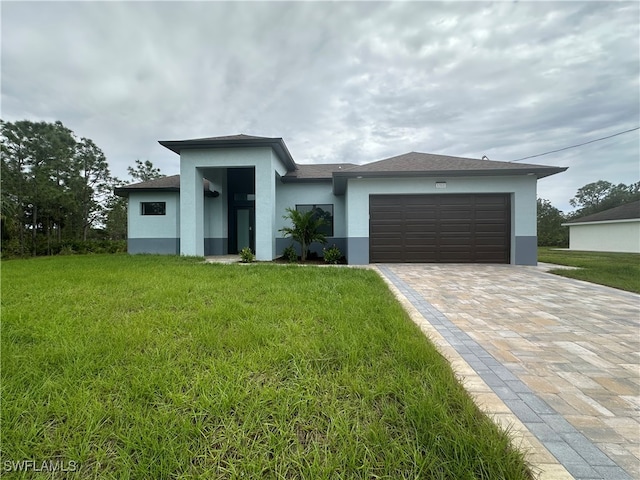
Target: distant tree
[551,233]
[305,229]
[602,195]
[144,171]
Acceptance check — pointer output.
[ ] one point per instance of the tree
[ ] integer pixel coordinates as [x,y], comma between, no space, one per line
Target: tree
[93,187]
[53,186]
[144,171]
[304,230]
[37,157]
[551,233]
[602,195]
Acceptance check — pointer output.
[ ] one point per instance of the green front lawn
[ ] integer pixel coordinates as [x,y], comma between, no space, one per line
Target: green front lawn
[165,367]
[618,270]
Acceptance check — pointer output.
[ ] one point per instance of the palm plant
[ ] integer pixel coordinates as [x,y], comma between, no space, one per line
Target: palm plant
[305,229]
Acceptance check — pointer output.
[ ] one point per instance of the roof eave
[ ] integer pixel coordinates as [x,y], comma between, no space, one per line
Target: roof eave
[277,144]
[340,178]
[286,179]
[600,222]
[125,191]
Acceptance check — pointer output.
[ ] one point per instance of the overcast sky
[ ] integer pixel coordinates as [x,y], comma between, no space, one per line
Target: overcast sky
[339,82]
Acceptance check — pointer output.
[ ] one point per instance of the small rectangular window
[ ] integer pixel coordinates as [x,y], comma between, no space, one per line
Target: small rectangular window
[324,211]
[154,208]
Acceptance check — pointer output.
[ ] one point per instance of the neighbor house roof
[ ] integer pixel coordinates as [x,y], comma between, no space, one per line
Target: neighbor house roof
[628,211]
[162,184]
[229,141]
[420,164]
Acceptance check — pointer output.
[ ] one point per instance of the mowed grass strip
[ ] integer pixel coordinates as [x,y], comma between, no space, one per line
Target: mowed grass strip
[617,270]
[165,367]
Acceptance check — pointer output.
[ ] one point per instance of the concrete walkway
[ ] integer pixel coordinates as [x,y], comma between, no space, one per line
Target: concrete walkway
[554,359]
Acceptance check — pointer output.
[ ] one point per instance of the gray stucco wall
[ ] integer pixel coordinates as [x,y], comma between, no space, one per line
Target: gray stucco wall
[165,246]
[216,246]
[526,250]
[358,250]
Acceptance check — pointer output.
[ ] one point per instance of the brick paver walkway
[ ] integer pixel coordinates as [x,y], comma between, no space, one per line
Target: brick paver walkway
[555,359]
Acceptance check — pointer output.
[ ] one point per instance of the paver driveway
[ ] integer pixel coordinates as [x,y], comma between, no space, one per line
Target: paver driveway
[559,354]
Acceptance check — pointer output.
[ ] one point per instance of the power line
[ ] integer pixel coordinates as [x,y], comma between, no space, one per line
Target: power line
[578,145]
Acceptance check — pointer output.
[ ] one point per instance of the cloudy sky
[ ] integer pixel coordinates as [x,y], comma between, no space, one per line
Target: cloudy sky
[353,82]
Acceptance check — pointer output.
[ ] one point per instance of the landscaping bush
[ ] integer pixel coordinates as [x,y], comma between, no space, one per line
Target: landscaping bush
[290,254]
[332,255]
[246,255]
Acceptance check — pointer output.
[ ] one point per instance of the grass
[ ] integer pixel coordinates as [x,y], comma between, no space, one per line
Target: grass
[165,367]
[618,270]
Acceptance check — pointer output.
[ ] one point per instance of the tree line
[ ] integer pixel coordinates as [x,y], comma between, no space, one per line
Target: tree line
[56,191]
[592,198]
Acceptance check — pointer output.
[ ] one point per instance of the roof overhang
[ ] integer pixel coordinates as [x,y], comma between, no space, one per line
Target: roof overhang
[601,222]
[286,179]
[340,178]
[277,144]
[125,191]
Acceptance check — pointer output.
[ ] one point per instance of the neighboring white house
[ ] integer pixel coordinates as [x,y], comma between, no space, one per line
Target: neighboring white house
[233,191]
[614,230]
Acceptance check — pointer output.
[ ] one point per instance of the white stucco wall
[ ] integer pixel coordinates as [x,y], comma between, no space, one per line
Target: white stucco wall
[288,195]
[154,226]
[619,236]
[521,187]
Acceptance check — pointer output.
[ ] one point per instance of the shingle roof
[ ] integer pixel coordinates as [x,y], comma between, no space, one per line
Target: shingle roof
[240,140]
[240,136]
[628,211]
[165,184]
[312,172]
[427,164]
[406,165]
[416,162]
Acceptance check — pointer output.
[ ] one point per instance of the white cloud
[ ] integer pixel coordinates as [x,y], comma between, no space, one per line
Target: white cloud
[338,81]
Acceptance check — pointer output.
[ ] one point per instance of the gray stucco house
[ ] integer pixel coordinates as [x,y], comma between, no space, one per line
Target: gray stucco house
[232,192]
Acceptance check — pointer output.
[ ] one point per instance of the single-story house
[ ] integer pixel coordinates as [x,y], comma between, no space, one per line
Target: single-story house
[613,230]
[233,191]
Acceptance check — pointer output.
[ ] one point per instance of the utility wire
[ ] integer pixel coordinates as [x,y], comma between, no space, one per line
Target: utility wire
[578,145]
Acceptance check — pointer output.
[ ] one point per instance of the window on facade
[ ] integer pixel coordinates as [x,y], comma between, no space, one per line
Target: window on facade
[324,211]
[154,208]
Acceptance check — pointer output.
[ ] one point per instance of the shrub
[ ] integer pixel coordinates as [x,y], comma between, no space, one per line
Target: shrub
[332,255]
[290,254]
[305,229]
[246,255]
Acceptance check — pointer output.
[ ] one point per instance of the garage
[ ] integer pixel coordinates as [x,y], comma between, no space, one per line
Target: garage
[450,228]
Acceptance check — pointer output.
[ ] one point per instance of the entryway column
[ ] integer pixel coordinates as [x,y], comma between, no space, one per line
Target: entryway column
[265,211]
[191,211]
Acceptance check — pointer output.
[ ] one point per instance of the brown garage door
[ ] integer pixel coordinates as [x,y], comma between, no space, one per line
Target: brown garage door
[453,228]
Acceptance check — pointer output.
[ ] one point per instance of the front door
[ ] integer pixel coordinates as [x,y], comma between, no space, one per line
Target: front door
[244,228]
